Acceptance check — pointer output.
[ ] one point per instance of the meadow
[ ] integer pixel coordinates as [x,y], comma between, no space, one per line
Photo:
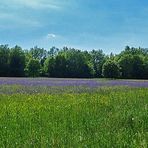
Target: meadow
[73,113]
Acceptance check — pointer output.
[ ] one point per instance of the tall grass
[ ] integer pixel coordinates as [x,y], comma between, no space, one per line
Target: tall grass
[116,118]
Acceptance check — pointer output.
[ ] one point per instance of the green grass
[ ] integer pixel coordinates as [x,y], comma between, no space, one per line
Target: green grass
[106,118]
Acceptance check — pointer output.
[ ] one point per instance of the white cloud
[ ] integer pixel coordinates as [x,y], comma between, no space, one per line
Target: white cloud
[34,4]
[38,4]
[50,35]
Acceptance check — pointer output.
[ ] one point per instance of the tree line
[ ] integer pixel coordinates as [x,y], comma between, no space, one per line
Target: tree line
[73,63]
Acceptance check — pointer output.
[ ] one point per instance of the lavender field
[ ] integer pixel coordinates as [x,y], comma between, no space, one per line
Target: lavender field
[72,82]
[59,85]
[47,112]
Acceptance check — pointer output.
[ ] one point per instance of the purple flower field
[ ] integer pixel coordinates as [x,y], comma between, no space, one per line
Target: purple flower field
[72,82]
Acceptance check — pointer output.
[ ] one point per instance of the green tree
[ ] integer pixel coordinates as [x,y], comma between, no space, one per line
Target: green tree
[74,63]
[132,66]
[41,55]
[38,53]
[126,64]
[49,66]
[53,51]
[97,59]
[138,67]
[60,68]
[110,69]
[145,68]
[4,60]
[77,64]
[17,62]
[68,63]
[33,68]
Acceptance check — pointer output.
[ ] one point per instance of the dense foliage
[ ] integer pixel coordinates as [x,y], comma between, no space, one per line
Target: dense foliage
[73,63]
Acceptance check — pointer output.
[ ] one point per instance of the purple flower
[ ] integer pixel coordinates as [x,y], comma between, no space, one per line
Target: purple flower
[71,82]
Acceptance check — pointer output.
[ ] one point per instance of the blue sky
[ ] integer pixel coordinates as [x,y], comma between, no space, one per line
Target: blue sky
[85,24]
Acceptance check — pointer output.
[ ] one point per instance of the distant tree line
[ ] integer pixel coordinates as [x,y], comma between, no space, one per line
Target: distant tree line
[73,63]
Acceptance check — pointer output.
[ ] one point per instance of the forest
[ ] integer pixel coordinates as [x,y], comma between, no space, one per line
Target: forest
[130,63]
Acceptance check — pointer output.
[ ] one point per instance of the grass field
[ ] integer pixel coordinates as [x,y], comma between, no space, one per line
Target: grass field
[106,117]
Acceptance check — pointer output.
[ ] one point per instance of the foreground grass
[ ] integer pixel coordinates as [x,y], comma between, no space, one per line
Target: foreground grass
[116,118]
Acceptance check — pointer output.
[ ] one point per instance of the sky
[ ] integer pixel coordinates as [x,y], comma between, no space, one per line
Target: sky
[83,24]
